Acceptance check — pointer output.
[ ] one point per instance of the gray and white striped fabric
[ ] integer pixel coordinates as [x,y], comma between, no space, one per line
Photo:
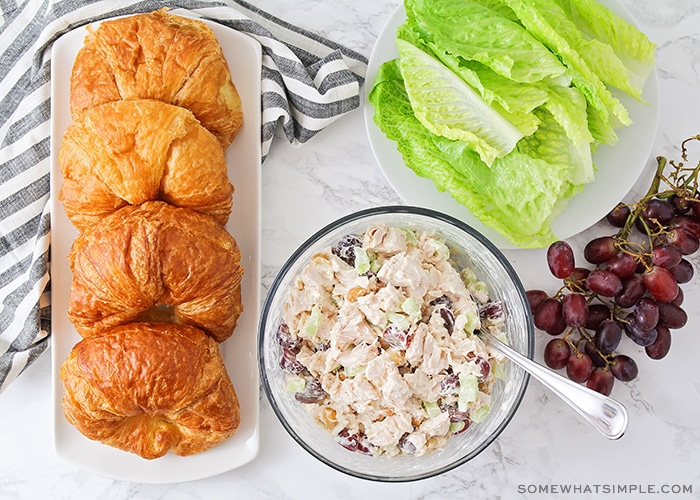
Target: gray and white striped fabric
[307,83]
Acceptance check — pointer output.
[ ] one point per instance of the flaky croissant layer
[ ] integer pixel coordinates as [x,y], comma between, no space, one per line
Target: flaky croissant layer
[158,56]
[143,259]
[150,388]
[132,151]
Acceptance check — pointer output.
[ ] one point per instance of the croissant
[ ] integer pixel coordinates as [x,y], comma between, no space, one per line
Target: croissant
[129,152]
[160,56]
[150,388]
[156,262]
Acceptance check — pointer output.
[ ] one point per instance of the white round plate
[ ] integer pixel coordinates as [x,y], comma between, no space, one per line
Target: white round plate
[619,166]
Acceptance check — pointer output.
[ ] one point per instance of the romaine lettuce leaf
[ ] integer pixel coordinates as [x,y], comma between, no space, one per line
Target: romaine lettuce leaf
[448,107]
[513,100]
[567,107]
[516,195]
[632,47]
[475,32]
[538,17]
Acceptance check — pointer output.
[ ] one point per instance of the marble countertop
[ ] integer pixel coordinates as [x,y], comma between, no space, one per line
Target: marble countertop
[545,449]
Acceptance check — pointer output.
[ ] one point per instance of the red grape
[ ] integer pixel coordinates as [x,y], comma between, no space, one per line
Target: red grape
[695,207]
[679,298]
[574,309]
[448,319]
[360,443]
[596,314]
[556,353]
[689,222]
[683,239]
[396,337]
[579,367]
[639,336]
[646,313]
[579,276]
[548,316]
[633,289]
[558,327]
[312,393]
[604,283]
[601,380]
[672,316]
[289,362]
[660,347]
[596,356]
[624,368]
[285,338]
[623,264]
[600,250]
[681,204]
[560,259]
[683,271]
[618,216]
[657,210]
[607,336]
[666,255]
[661,283]
[484,367]
[535,298]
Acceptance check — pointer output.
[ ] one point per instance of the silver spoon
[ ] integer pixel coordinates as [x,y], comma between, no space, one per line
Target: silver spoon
[604,413]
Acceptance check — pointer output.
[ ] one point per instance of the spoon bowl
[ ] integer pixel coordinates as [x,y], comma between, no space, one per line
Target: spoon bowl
[604,413]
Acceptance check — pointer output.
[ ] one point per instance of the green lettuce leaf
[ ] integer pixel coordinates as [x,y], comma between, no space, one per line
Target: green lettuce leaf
[484,35]
[544,19]
[630,46]
[448,107]
[567,107]
[512,100]
[515,196]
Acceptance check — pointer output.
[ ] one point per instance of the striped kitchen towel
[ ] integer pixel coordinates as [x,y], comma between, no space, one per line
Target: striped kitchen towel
[307,83]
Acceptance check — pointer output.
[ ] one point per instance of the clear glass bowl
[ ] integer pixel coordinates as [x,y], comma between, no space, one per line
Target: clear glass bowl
[469,248]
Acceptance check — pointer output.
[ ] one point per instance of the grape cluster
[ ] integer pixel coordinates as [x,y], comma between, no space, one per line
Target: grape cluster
[630,286]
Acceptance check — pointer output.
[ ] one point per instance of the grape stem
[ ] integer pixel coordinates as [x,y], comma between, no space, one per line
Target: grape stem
[624,232]
[682,182]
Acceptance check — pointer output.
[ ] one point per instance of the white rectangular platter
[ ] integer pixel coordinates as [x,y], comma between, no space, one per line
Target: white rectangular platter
[239,352]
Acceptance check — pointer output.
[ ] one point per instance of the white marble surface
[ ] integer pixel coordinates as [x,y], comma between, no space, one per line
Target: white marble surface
[545,445]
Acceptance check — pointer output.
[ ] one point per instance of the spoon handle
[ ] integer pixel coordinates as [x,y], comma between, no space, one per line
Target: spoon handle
[604,413]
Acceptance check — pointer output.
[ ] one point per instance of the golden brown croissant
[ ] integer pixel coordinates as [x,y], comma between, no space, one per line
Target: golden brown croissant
[150,388]
[160,56]
[147,261]
[129,152]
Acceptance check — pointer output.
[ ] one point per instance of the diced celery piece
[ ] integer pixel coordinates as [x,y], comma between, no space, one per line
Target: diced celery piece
[432,409]
[480,413]
[399,320]
[410,306]
[312,322]
[455,427]
[468,276]
[499,371]
[353,371]
[411,236]
[295,384]
[362,261]
[441,250]
[473,322]
[468,390]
